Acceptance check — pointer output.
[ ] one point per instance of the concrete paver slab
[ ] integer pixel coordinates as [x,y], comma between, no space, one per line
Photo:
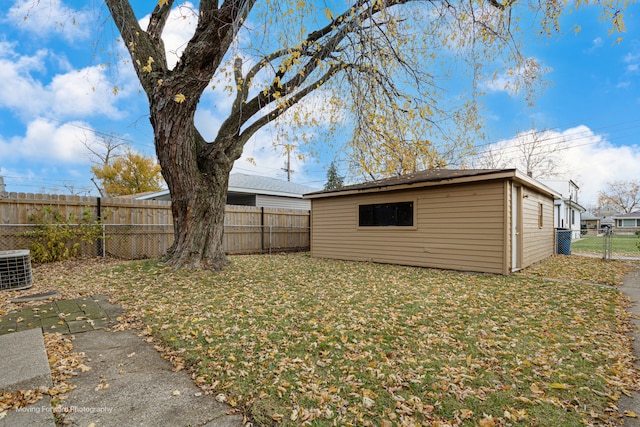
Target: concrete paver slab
[67,316]
[78,326]
[47,311]
[25,367]
[24,361]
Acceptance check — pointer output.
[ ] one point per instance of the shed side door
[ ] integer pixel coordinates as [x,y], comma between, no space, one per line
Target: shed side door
[516,227]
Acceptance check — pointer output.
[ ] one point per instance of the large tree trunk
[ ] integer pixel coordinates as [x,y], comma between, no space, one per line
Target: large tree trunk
[196,173]
[198,187]
[198,205]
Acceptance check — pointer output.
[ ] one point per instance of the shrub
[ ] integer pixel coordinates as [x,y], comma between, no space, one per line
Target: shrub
[57,238]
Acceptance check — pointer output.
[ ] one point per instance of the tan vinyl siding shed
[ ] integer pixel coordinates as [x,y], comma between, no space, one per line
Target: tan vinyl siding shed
[491,221]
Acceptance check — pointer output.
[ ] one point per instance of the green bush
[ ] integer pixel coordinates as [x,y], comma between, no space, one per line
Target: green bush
[56,238]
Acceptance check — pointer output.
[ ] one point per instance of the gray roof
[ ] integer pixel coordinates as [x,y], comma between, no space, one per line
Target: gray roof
[431,175]
[253,184]
[628,215]
[240,182]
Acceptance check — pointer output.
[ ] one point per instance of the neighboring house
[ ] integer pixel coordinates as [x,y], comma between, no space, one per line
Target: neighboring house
[566,210]
[492,221]
[627,223]
[607,222]
[254,190]
[589,223]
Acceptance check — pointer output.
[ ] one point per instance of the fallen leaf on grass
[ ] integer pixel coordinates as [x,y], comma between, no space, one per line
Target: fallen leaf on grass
[368,402]
[488,421]
[535,389]
[465,414]
[559,386]
[283,321]
[630,414]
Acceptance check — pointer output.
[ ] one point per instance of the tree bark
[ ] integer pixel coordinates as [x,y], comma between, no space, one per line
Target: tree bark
[196,172]
[198,186]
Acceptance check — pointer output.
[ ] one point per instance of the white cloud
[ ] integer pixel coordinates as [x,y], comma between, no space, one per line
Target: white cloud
[208,123]
[596,162]
[50,141]
[46,17]
[178,30]
[19,90]
[632,59]
[587,158]
[79,93]
[596,43]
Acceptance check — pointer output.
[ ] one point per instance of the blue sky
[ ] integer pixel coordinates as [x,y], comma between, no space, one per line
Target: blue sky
[55,93]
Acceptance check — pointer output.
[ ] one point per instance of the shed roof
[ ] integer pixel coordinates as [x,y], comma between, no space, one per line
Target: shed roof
[434,177]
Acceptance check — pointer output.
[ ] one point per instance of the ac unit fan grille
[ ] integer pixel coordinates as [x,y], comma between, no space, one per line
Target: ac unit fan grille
[15,270]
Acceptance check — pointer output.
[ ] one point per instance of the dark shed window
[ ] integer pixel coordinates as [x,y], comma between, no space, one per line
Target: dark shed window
[386,214]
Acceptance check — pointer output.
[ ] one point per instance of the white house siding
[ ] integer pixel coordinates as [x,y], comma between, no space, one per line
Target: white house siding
[282,202]
[460,227]
[566,210]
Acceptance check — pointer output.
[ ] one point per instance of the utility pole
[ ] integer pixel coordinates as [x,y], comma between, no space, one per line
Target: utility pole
[287,165]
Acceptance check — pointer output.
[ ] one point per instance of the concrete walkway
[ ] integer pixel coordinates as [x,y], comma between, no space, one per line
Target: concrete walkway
[631,287]
[25,367]
[129,383]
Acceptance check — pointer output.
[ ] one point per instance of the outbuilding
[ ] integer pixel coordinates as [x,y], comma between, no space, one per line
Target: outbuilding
[483,220]
[255,190]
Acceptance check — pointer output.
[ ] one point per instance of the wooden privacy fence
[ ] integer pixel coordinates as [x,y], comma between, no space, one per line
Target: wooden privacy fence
[135,229]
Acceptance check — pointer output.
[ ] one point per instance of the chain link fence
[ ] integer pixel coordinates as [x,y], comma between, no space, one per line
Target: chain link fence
[608,244]
[142,241]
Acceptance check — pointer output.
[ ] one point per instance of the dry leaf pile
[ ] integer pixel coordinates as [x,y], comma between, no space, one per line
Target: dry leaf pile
[294,340]
[582,269]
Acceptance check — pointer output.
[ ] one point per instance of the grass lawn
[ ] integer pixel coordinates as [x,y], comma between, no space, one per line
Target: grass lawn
[293,340]
[620,245]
